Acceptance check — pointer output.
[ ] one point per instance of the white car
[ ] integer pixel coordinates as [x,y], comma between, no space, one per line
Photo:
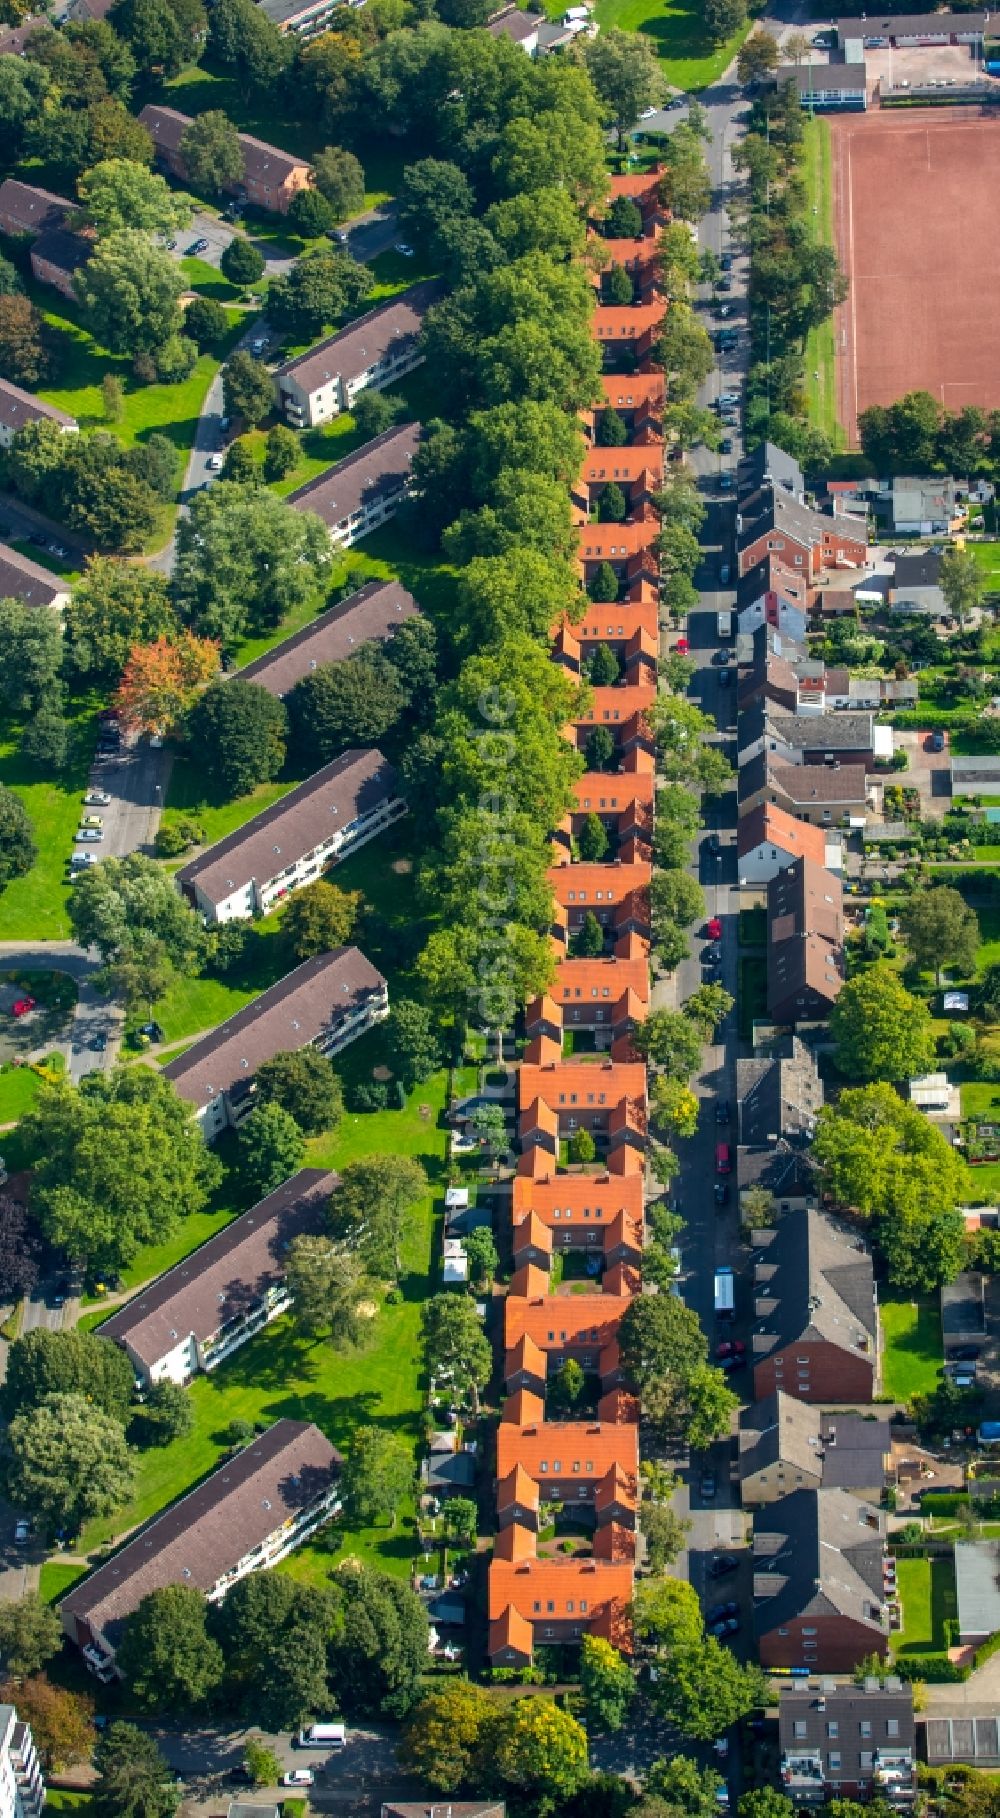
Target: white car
[298,1777]
[215,463]
[97,798]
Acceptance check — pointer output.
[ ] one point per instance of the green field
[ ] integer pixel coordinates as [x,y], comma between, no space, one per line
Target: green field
[820,355]
[927,1596]
[913,1348]
[690,59]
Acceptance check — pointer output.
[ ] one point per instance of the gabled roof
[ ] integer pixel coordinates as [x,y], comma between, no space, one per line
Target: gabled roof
[768,825]
[812,1279]
[818,1553]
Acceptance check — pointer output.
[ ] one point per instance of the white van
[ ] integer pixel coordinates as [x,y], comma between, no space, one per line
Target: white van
[324,1736]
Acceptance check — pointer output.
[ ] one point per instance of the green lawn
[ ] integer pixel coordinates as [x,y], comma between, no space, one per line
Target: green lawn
[33,907]
[281,1374]
[927,1596]
[820,353]
[690,59]
[913,1348]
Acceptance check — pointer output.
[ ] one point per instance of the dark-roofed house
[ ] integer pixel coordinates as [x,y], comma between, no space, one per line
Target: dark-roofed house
[369,616]
[364,491]
[27,581]
[57,256]
[848,1741]
[822,85]
[778,1097]
[369,354]
[342,807]
[26,209]
[787,1445]
[326,1003]
[272,178]
[805,942]
[18,408]
[249,1514]
[204,1308]
[818,1585]
[815,1324]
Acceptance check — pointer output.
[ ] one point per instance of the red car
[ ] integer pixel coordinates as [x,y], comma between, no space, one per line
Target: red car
[714,929]
[682,647]
[23,1005]
[731,1347]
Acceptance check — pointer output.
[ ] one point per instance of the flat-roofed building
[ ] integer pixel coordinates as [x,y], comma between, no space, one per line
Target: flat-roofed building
[370,616]
[198,1313]
[252,1511]
[362,492]
[342,807]
[377,350]
[326,1003]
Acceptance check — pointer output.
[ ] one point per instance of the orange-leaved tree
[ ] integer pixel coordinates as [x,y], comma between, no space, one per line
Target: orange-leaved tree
[162,680]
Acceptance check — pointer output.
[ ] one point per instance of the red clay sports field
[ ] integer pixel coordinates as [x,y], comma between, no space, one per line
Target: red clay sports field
[917,208]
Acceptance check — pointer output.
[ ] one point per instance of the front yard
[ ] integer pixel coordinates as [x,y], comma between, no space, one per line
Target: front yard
[927,1595]
[913,1348]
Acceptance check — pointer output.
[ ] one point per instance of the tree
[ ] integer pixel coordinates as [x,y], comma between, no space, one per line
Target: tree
[236,733]
[116,1162]
[133,1779]
[166,1414]
[879,1030]
[961,582]
[161,681]
[281,452]
[413,1043]
[538,1749]
[707,1690]
[30,1634]
[68,1461]
[941,929]
[247,388]
[457,1348]
[19,1247]
[675,1106]
[305,1085]
[271,1147]
[669,1039]
[330,1291]
[665,1535]
[18,851]
[62,1723]
[626,73]
[606,1682]
[23,354]
[128,291]
[212,154]
[374,1207]
[166,1653]
[320,917]
[242,262]
[118,195]
[42,1363]
[261,1762]
[592,840]
[758,57]
[205,322]
[380,1655]
[441,1739]
[244,561]
[116,606]
[377,1476]
[340,178]
[339,705]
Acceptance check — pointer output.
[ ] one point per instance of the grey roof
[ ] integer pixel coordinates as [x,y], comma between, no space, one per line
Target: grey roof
[331,800]
[922,569]
[22,579]
[778,1094]
[19,407]
[381,466]
[294,1012]
[818,78]
[365,341]
[227,1276]
[769,462]
[873,1705]
[214,1526]
[369,616]
[823,731]
[67,252]
[813,1278]
[26,209]
[818,1553]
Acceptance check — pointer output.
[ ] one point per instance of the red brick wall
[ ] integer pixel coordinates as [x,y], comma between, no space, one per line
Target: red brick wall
[834,1375]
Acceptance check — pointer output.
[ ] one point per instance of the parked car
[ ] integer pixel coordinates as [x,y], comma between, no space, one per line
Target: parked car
[97,798]
[22,1006]
[723,1564]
